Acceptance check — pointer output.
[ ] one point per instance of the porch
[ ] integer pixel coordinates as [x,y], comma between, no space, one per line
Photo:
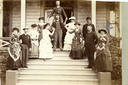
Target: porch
[21,13]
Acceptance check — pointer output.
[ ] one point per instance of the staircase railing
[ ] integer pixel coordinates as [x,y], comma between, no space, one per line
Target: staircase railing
[3,58]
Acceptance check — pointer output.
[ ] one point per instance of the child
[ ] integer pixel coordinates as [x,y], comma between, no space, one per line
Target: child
[25,40]
[103,60]
[45,48]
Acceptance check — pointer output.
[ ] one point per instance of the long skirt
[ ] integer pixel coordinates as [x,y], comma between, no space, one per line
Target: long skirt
[45,49]
[103,61]
[68,41]
[76,54]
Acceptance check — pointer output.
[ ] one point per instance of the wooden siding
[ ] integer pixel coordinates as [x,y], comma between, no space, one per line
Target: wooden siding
[83,11]
[32,11]
[101,15]
[16,13]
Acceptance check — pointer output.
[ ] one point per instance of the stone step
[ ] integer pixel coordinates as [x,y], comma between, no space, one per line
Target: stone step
[32,81]
[57,62]
[59,70]
[74,67]
[57,76]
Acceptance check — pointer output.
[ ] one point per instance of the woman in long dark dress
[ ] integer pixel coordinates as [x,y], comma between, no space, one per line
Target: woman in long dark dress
[77,46]
[14,50]
[103,60]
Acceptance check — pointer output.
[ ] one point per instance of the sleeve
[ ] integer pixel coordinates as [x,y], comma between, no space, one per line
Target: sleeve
[95,38]
[53,10]
[83,31]
[93,28]
[107,39]
[64,13]
[30,45]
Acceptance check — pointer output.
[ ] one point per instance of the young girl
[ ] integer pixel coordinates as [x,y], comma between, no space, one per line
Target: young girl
[45,48]
[103,60]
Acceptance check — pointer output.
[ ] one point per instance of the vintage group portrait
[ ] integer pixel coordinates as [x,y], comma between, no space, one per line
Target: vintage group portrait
[60,42]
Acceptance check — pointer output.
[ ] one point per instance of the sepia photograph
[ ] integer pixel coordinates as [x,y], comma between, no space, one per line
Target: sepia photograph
[61,42]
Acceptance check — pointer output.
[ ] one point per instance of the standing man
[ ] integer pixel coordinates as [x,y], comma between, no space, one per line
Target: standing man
[91,40]
[25,40]
[59,10]
[58,25]
[88,19]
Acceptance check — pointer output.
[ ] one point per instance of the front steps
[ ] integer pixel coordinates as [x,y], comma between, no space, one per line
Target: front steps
[61,70]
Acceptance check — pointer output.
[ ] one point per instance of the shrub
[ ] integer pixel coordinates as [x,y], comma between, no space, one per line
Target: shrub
[116,53]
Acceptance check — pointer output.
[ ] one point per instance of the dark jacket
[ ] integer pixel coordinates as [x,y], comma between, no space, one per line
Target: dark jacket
[85,29]
[61,25]
[26,40]
[91,40]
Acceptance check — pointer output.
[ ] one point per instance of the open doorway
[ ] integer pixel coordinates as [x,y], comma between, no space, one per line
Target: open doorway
[68,6]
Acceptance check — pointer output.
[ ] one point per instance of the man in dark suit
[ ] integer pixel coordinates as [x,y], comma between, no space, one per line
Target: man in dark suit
[58,25]
[91,40]
[88,19]
[59,10]
[25,40]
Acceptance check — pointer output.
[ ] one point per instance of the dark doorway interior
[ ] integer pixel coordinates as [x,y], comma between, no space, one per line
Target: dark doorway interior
[68,6]
[6,18]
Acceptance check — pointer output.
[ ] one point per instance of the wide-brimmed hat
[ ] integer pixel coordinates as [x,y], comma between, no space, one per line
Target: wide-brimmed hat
[15,28]
[77,23]
[34,25]
[26,28]
[102,30]
[72,18]
[88,18]
[41,18]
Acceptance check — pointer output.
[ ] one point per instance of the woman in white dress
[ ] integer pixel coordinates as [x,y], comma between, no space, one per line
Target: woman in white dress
[69,34]
[45,48]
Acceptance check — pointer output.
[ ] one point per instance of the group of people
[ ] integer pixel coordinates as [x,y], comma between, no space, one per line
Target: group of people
[43,38]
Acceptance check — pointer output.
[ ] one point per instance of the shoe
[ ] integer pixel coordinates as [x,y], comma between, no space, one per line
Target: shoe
[61,49]
[54,49]
[89,66]
[26,67]
[44,59]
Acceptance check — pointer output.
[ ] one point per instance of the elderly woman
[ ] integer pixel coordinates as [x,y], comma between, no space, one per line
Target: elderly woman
[69,34]
[103,60]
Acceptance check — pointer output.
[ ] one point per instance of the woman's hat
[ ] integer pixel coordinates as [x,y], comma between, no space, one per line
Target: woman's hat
[72,18]
[41,18]
[15,28]
[26,28]
[102,30]
[34,25]
[88,18]
[77,23]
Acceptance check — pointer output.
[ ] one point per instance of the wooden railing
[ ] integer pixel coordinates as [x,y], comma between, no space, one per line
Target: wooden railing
[3,58]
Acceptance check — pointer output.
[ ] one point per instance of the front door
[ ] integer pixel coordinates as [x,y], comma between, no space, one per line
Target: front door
[68,7]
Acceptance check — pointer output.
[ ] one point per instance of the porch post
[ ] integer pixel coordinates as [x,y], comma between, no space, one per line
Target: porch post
[1,18]
[93,11]
[120,9]
[23,14]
